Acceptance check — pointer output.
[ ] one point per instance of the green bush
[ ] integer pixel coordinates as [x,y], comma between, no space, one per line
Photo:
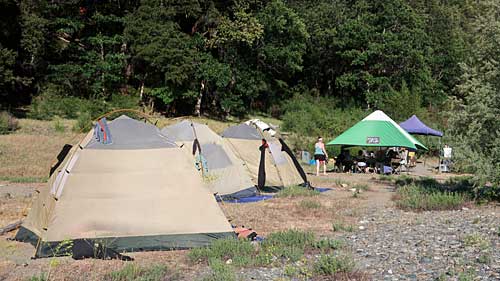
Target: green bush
[329,265]
[296,191]
[309,117]
[329,244]
[83,122]
[133,272]
[52,102]
[413,197]
[8,123]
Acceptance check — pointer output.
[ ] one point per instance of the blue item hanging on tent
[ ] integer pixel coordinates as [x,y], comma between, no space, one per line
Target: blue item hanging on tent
[201,162]
[101,132]
[312,162]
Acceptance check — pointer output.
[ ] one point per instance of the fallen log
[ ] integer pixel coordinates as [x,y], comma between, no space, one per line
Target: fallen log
[10,227]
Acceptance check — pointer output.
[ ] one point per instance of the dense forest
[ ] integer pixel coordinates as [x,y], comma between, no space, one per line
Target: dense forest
[301,60]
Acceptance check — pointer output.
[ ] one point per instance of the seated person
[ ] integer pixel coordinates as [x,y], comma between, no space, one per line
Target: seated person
[360,162]
[348,162]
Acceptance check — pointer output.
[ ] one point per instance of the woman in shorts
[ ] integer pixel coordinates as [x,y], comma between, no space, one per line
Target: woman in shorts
[320,155]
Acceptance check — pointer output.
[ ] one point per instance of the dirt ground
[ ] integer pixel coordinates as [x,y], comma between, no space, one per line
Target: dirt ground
[336,206]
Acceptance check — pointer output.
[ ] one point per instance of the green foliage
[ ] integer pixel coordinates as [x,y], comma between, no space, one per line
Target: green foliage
[329,244]
[413,197]
[329,265]
[296,191]
[8,123]
[133,272]
[309,117]
[23,179]
[220,271]
[473,117]
[280,246]
[235,249]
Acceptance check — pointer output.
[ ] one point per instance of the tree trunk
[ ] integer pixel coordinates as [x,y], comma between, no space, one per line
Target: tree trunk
[102,73]
[197,108]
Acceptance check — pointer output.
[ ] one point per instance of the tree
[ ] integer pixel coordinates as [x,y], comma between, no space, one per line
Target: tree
[474,125]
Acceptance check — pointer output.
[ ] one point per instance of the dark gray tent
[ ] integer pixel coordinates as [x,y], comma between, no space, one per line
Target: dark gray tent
[222,170]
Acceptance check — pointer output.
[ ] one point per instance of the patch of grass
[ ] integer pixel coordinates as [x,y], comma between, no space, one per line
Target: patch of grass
[361,187]
[310,204]
[330,265]
[133,272]
[296,191]
[284,246]
[476,240]
[386,178]
[7,123]
[329,244]
[339,182]
[340,226]
[59,126]
[484,259]
[40,277]
[240,251]
[23,179]
[416,198]
[403,180]
[220,271]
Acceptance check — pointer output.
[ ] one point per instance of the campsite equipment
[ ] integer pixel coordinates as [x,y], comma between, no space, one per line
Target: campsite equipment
[377,130]
[139,192]
[279,169]
[223,172]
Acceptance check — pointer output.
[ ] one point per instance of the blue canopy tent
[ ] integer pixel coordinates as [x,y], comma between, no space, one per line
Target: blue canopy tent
[416,127]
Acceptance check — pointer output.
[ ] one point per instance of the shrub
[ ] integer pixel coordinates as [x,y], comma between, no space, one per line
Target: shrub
[413,197]
[329,265]
[133,272]
[296,191]
[329,244]
[309,117]
[83,123]
[52,102]
[8,123]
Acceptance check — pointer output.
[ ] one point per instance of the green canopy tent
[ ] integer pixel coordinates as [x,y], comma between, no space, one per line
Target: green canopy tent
[377,130]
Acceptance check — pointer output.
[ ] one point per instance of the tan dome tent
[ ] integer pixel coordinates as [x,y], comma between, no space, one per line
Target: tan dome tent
[224,173]
[137,192]
[280,166]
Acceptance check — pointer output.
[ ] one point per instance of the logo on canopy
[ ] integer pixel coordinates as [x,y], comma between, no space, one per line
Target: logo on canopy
[372,140]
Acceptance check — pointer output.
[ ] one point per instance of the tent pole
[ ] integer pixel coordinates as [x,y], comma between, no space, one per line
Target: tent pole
[274,163]
[199,150]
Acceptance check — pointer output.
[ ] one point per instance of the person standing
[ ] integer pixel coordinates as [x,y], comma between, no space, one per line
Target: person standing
[320,155]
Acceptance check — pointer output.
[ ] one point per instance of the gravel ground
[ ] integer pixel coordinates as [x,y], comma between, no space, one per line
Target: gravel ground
[397,245]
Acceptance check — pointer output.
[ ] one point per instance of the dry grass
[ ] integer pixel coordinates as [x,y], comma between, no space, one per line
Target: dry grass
[30,151]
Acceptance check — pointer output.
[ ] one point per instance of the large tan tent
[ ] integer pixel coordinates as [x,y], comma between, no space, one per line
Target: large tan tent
[280,166]
[224,173]
[138,192]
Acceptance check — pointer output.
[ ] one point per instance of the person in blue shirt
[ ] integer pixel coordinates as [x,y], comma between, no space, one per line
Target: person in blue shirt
[320,155]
